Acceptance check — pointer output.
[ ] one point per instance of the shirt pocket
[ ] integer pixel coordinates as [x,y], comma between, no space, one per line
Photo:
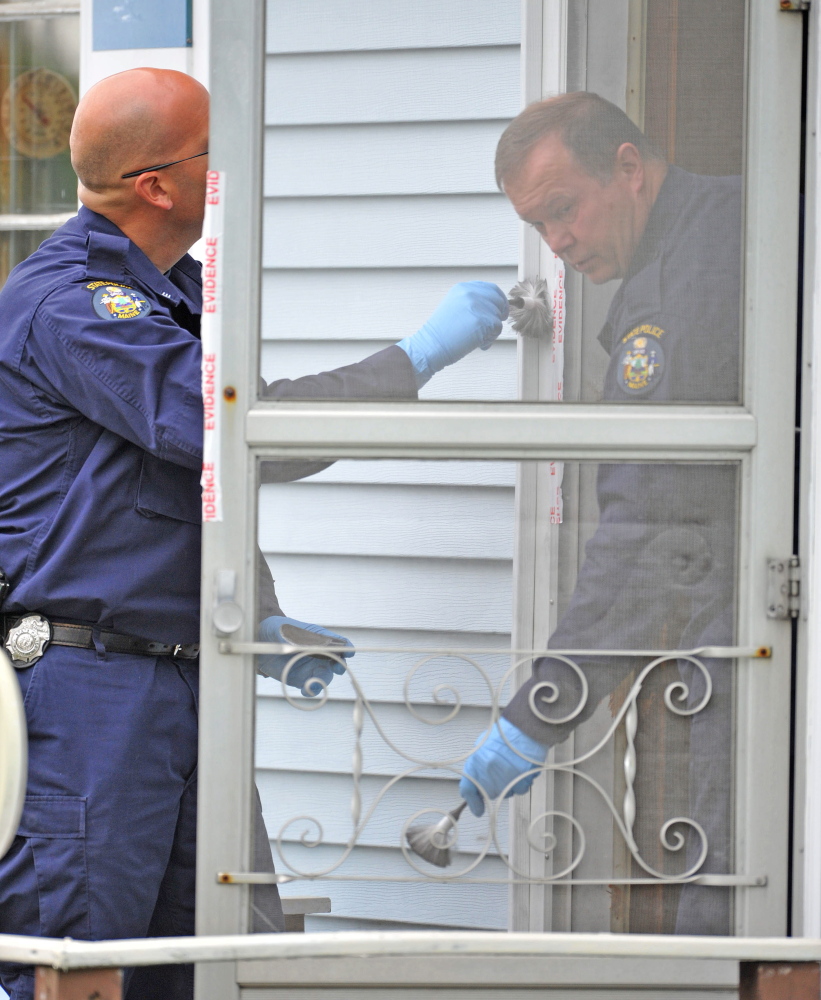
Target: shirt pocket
[169,490]
[55,828]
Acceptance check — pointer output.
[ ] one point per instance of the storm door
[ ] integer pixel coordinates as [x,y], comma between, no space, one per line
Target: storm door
[607,525]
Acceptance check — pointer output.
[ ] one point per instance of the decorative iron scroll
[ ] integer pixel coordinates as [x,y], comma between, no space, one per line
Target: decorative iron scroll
[448,697]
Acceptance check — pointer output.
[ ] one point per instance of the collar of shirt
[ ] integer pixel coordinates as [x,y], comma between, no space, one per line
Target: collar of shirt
[663,216]
[114,255]
[665,213]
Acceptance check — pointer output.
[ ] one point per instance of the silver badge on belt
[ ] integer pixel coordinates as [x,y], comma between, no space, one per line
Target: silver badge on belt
[27,640]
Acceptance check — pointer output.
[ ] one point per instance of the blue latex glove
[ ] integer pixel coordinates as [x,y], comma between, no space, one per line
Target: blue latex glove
[309,669]
[494,765]
[469,316]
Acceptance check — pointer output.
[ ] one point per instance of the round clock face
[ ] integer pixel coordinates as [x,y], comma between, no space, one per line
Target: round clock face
[36,113]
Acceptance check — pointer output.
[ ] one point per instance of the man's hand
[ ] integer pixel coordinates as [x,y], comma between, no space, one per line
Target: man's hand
[309,669]
[496,763]
[469,316]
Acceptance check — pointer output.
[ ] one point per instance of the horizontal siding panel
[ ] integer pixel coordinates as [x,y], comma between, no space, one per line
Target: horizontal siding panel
[328,922]
[410,158]
[445,595]
[414,521]
[328,25]
[327,798]
[325,740]
[425,231]
[483,375]
[355,305]
[397,471]
[476,906]
[416,85]
[381,675]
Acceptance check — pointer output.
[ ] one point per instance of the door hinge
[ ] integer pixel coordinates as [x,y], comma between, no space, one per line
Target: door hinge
[794,4]
[783,587]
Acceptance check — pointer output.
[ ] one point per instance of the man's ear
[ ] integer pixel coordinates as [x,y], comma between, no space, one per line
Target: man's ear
[630,165]
[152,190]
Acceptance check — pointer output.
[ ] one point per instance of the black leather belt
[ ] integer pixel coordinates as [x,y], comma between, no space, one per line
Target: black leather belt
[32,630]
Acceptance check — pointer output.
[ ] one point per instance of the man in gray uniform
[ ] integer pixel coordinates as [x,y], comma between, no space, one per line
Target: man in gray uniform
[658,572]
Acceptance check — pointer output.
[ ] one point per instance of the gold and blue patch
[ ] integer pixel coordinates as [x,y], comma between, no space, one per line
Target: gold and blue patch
[117,301]
[641,361]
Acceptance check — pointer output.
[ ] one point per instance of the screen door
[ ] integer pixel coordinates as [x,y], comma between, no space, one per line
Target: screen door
[593,529]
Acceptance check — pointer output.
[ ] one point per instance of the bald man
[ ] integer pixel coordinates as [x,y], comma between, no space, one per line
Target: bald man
[101,450]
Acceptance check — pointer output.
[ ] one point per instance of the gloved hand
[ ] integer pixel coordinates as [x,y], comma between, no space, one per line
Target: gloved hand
[494,765]
[469,316]
[310,668]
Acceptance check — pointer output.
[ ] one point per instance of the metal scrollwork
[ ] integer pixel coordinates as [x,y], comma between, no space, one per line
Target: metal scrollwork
[549,828]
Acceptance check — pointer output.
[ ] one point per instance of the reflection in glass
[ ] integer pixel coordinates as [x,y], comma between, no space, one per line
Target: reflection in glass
[642,251]
[412,563]
[39,67]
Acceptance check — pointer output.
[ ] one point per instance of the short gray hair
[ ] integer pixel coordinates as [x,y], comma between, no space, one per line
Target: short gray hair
[590,127]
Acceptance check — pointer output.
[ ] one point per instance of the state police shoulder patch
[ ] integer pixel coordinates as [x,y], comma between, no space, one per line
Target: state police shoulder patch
[117,301]
[641,361]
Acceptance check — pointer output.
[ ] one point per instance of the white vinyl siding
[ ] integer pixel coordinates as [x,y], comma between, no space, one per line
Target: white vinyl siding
[381,124]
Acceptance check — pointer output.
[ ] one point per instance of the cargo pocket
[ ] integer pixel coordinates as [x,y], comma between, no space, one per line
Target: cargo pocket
[169,490]
[55,828]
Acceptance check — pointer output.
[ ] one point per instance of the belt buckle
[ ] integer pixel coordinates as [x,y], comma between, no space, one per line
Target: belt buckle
[188,651]
[27,640]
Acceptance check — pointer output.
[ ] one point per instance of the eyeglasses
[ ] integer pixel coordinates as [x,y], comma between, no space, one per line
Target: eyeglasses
[162,166]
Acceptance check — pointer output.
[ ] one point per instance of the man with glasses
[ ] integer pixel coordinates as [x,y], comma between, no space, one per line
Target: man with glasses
[101,451]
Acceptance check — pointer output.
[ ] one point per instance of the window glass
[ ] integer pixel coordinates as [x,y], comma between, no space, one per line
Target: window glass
[39,67]
[413,564]
[380,196]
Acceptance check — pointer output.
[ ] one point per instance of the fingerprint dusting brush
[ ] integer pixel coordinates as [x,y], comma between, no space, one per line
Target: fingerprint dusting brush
[531,314]
[433,841]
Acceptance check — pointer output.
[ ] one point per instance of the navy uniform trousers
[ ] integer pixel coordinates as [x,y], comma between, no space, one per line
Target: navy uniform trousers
[107,843]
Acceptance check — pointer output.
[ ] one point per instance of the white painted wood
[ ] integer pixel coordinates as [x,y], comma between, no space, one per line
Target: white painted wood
[417,85]
[328,25]
[439,594]
[807,884]
[408,158]
[322,739]
[426,231]
[495,993]
[482,375]
[328,797]
[67,953]
[347,304]
[497,971]
[524,949]
[412,521]
[387,471]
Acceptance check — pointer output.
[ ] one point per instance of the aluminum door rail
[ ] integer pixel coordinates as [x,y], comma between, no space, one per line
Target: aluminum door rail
[557,431]
[711,652]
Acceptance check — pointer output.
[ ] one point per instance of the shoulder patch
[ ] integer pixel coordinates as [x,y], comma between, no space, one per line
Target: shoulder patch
[117,301]
[641,358]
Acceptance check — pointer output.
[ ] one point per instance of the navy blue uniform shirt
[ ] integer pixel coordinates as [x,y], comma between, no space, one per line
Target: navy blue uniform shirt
[658,572]
[101,432]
